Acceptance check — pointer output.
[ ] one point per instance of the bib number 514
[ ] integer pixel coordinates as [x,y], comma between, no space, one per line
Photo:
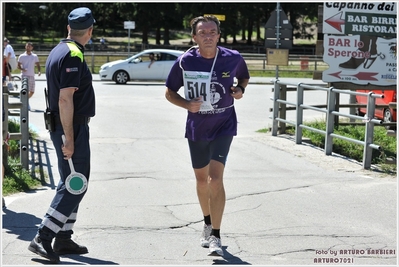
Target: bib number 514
[196,89]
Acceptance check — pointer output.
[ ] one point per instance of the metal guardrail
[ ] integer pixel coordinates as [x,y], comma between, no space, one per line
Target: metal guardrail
[23,114]
[330,112]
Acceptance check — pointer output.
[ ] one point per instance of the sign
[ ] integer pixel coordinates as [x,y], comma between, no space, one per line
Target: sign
[129,25]
[282,38]
[360,42]
[278,57]
[219,17]
[360,59]
[76,183]
[283,21]
[378,18]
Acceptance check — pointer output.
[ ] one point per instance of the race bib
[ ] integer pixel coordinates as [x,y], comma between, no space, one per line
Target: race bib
[198,84]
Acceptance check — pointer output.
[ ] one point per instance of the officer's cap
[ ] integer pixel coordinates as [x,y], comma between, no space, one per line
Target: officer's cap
[80,18]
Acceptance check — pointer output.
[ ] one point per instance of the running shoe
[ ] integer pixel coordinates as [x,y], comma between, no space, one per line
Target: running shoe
[206,233]
[215,246]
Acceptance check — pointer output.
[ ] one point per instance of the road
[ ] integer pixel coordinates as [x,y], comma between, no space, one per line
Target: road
[286,204]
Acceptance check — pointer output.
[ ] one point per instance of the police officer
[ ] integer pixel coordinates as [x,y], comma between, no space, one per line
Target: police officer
[72,101]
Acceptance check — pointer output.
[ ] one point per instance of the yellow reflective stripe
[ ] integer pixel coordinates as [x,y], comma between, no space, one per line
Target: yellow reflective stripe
[75,51]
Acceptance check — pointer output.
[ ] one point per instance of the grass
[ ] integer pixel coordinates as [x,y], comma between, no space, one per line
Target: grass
[16,178]
[352,150]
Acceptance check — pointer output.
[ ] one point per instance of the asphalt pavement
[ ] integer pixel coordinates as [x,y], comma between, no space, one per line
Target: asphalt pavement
[287,204]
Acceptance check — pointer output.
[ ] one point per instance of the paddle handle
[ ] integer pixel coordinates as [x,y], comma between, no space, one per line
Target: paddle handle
[70,159]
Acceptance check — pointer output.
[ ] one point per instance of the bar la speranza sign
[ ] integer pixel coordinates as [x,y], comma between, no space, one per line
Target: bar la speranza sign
[360,42]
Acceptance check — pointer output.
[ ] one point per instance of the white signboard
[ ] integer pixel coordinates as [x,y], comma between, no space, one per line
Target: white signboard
[375,18]
[360,42]
[360,59]
[129,24]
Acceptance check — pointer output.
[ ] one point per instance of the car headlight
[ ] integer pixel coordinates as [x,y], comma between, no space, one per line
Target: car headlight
[103,68]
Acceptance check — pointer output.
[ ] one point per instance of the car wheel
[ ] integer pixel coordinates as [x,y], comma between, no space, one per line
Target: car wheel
[121,77]
[387,115]
[388,118]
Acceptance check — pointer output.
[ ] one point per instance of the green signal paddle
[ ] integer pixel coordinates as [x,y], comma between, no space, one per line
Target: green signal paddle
[76,183]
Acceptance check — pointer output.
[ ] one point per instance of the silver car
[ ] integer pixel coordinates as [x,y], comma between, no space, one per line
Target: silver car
[139,67]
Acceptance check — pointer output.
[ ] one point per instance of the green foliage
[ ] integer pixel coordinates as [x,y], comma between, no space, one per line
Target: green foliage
[16,178]
[13,149]
[13,126]
[265,130]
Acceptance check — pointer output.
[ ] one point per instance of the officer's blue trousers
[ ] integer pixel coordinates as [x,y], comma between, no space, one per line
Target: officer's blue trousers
[61,215]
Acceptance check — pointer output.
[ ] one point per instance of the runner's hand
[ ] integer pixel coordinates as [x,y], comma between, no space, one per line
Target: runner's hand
[194,104]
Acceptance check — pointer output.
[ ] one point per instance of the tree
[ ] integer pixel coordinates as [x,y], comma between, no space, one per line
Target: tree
[171,18]
[301,11]
[160,19]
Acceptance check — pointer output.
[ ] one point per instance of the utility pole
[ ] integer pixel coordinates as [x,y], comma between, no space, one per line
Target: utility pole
[277,33]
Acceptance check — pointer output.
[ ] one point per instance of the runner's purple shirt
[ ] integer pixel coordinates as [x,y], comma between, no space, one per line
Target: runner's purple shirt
[222,121]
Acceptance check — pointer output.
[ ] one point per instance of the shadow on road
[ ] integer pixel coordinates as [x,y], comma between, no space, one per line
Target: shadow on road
[229,259]
[79,258]
[40,162]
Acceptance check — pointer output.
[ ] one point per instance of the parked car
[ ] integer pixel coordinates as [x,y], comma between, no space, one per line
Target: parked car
[138,66]
[387,114]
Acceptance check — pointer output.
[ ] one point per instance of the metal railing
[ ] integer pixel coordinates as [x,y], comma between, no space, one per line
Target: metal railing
[330,111]
[23,113]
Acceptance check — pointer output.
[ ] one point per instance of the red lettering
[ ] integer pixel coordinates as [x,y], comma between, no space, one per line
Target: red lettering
[339,42]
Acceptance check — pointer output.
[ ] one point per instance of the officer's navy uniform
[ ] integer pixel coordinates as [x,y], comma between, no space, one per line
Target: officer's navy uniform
[65,68]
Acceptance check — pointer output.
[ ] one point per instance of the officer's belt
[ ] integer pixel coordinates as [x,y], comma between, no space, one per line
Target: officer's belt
[76,119]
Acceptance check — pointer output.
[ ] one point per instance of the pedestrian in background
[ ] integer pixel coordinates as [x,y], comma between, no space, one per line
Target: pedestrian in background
[26,63]
[207,73]
[10,57]
[72,102]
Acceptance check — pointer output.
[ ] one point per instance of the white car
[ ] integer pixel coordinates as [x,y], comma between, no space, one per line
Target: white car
[138,66]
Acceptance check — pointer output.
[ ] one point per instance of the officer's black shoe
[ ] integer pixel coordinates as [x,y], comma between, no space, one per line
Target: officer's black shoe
[43,248]
[67,246]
